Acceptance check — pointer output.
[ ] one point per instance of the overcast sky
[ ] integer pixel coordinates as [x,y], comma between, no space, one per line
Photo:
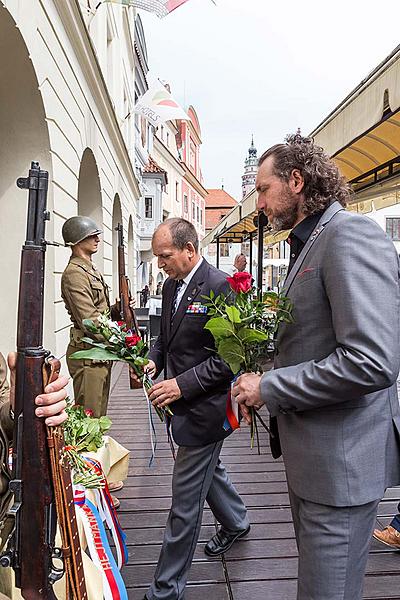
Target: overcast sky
[265,67]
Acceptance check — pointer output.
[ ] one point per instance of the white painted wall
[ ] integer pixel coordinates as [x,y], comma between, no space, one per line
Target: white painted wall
[70,97]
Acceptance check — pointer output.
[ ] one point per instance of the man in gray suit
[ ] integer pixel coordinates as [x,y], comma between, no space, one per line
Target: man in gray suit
[332,395]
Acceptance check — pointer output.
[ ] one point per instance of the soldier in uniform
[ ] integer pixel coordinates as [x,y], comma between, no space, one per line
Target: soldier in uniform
[51,405]
[85,295]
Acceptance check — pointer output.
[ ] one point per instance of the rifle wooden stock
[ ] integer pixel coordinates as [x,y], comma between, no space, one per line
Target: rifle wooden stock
[125,297]
[31,547]
[65,507]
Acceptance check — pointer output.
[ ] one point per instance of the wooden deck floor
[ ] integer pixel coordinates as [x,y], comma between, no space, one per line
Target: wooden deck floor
[262,566]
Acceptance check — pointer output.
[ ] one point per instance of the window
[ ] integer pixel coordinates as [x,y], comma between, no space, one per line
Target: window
[176,191]
[192,156]
[201,216]
[245,248]
[393,228]
[148,207]
[224,249]
[162,132]
[167,138]
[193,211]
[185,203]
[198,214]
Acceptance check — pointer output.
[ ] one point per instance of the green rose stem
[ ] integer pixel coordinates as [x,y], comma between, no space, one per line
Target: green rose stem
[161,411]
[243,324]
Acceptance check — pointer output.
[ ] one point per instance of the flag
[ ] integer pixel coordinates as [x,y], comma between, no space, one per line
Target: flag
[157,106]
[160,7]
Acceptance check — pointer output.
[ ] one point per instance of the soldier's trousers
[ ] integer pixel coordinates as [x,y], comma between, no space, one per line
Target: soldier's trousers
[91,382]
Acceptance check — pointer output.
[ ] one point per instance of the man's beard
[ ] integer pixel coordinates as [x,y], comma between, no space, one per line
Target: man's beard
[287,214]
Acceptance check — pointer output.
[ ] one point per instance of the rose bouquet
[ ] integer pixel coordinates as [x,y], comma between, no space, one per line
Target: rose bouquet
[115,343]
[243,324]
[83,433]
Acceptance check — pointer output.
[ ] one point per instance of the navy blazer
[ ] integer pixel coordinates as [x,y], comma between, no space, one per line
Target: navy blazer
[186,351]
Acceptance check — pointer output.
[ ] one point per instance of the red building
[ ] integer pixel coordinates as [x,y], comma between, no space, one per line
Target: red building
[193,191]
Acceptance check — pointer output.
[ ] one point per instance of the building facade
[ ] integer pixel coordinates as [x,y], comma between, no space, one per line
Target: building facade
[153,180]
[193,192]
[168,157]
[68,103]
[218,204]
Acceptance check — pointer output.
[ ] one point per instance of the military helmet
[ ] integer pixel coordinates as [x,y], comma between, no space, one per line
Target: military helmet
[77,229]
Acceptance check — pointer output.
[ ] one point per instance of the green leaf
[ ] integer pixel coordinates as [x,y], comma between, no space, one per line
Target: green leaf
[88,340]
[95,354]
[141,362]
[90,326]
[233,314]
[231,352]
[219,327]
[248,335]
[105,423]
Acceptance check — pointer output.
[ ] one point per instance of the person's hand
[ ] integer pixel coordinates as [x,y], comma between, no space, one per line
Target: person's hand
[51,403]
[150,369]
[246,391]
[240,262]
[164,393]
[132,303]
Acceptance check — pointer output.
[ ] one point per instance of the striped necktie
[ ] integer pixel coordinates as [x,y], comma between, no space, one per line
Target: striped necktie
[175,300]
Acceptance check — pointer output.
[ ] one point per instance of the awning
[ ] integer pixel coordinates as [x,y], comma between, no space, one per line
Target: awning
[237,225]
[363,132]
[376,147]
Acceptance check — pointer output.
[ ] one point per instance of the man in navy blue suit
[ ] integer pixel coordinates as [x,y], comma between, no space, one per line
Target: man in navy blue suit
[196,383]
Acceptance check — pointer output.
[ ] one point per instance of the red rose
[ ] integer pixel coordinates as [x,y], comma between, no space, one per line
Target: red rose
[132,340]
[89,412]
[240,282]
[121,324]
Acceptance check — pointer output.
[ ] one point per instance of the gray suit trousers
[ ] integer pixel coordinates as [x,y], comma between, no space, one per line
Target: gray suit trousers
[198,476]
[333,544]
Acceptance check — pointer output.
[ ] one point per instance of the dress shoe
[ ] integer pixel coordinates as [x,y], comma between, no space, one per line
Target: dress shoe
[389,536]
[222,541]
[115,501]
[116,486]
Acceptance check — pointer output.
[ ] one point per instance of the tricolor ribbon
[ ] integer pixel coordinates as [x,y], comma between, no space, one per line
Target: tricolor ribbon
[99,548]
[108,514]
[232,411]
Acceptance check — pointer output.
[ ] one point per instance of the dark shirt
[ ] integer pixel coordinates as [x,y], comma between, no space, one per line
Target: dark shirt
[299,236]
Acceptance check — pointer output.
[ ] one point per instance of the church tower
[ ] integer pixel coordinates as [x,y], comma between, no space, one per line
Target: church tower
[250,170]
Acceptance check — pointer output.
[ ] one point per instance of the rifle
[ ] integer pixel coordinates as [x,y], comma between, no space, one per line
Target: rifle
[40,483]
[125,296]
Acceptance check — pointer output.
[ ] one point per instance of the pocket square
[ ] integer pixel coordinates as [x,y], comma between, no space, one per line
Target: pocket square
[305,271]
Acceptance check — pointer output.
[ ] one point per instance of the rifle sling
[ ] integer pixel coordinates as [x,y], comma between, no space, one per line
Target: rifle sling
[64,499]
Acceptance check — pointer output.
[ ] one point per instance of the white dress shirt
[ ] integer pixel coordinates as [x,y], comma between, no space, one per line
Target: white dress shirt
[186,282]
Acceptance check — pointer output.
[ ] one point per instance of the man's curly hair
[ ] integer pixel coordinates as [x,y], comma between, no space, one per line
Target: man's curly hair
[323,182]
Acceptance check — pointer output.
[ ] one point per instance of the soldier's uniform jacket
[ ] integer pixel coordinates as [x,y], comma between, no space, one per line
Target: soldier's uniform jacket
[85,294]
[6,429]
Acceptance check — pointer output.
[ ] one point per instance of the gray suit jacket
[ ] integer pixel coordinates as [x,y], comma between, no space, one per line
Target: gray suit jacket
[333,388]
